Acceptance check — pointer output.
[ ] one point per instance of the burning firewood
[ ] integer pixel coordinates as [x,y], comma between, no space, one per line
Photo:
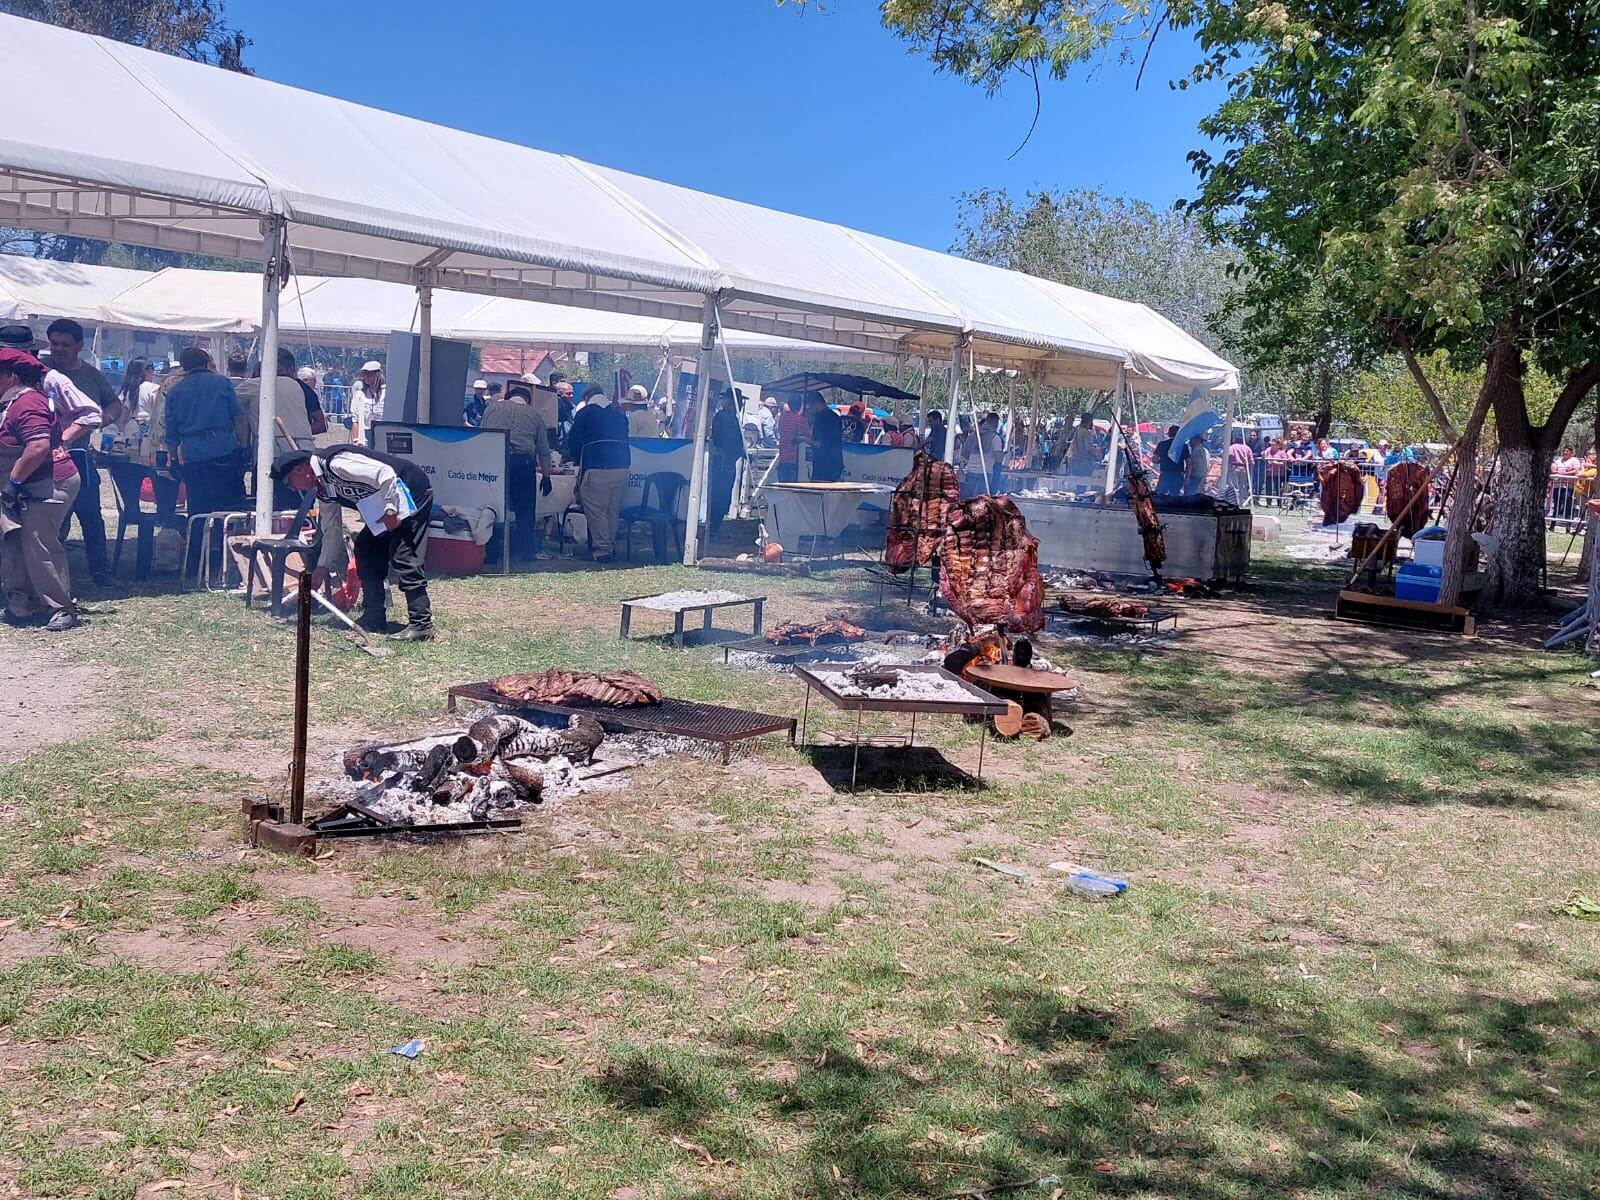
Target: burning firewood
[791,633]
[873,675]
[504,736]
[620,689]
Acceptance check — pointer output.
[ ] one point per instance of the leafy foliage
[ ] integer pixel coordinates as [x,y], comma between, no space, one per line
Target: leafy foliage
[194,29]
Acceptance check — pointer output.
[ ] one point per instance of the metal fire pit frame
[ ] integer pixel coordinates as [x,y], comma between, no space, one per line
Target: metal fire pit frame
[690,719]
[979,704]
[1151,622]
[791,652]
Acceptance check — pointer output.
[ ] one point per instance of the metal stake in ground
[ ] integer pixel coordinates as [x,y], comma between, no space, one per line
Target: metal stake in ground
[302,698]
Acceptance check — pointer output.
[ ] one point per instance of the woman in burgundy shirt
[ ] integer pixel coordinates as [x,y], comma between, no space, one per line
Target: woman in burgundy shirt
[40,486]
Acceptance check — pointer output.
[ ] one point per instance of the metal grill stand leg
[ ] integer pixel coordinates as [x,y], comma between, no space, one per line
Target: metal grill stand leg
[855,759]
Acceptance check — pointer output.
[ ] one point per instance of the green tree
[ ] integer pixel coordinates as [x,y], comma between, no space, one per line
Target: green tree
[1423,172]
[193,29]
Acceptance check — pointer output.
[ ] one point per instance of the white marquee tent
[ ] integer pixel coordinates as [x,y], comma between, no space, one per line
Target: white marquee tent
[186,300]
[249,169]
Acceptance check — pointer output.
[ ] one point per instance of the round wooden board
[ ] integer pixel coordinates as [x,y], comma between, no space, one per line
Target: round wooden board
[1018,679]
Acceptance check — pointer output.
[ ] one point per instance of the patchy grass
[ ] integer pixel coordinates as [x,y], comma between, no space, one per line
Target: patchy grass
[1336,972]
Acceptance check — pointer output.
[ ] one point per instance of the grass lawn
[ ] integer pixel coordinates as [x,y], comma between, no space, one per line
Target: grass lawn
[1339,970]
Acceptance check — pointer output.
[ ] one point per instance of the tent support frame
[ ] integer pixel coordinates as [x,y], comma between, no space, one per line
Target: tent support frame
[273,272]
[702,422]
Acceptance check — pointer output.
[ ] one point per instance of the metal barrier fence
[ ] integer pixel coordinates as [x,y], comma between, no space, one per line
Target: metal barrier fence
[1563,502]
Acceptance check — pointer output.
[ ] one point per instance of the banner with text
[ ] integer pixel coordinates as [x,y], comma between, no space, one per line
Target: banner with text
[467,467]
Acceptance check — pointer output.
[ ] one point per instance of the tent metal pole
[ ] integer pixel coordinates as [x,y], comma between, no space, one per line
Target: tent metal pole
[272,230]
[957,353]
[1011,415]
[900,371]
[1033,420]
[702,403]
[424,353]
[1115,441]
[922,401]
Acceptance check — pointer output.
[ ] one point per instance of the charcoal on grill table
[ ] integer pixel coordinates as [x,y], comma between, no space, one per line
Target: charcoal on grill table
[620,689]
[872,675]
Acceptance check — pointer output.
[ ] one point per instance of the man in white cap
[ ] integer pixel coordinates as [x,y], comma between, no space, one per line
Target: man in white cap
[472,410]
[366,401]
[642,422]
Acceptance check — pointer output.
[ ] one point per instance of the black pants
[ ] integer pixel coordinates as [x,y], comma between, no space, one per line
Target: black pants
[212,485]
[522,496]
[722,474]
[377,554]
[90,519]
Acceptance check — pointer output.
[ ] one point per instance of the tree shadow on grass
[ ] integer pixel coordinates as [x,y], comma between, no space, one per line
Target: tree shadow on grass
[1242,1089]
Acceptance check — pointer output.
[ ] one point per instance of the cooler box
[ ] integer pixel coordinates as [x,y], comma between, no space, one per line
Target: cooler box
[1418,581]
[1427,547]
[452,553]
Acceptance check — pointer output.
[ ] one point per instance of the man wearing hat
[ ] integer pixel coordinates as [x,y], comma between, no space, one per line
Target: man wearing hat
[472,410]
[393,500]
[81,415]
[366,401]
[642,422]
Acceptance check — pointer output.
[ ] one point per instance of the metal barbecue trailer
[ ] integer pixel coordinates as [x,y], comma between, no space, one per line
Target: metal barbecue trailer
[679,611]
[676,718]
[979,704]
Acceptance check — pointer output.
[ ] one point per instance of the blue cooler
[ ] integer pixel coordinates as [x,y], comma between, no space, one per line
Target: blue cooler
[1418,581]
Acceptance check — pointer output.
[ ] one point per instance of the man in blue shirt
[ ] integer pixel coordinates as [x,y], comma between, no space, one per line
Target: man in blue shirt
[206,428]
[598,443]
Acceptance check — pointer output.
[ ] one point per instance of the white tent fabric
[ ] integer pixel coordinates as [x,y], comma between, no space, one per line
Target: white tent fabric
[365,311]
[380,196]
[31,288]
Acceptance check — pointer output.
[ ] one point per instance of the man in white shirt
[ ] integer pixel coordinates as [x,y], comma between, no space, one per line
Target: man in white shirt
[366,401]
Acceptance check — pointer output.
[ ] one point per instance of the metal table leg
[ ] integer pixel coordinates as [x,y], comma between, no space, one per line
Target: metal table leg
[677,628]
[757,623]
[805,717]
[983,736]
[855,759]
[627,619]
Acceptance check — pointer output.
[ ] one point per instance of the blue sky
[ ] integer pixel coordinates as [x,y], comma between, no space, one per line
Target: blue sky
[820,113]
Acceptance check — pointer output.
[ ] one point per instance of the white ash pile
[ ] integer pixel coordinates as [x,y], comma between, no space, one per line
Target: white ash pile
[500,763]
[883,681]
[672,601]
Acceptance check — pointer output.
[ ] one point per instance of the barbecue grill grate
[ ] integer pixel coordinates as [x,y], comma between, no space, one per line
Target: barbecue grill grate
[681,718]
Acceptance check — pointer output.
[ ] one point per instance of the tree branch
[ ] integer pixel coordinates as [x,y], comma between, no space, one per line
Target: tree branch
[1578,386]
[1402,339]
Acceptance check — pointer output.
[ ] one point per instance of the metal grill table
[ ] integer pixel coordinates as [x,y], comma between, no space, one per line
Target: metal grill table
[1150,623]
[680,610]
[977,703]
[789,652]
[679,718]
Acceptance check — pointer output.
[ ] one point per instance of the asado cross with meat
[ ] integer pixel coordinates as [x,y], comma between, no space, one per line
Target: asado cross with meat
[991,566]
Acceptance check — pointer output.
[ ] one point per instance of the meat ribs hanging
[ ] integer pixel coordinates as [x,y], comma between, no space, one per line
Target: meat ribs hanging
[991,566]
[919,512]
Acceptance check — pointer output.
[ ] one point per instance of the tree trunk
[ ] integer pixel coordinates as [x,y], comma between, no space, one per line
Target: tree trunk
[1323,425]
[1520,481]
[1463,496]
[1590,527]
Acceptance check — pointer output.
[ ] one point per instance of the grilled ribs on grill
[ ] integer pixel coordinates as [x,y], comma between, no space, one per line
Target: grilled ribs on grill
[919,512]
[991,566]
[620,689]
[792,633]
[1105,606]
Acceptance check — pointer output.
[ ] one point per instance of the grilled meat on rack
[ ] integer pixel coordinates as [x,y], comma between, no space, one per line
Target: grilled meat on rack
[619,689]
[792,633]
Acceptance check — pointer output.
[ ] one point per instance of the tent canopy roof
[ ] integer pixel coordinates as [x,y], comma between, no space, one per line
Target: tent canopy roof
[385,197]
